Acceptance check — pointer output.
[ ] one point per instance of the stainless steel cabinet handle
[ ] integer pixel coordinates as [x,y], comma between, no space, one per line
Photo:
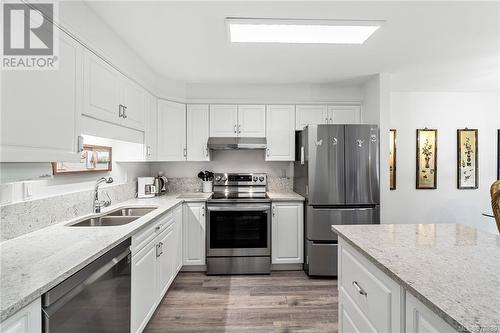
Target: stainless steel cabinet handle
[120,111]
[326,120]
[267,150]
[80,144]
[202,210]
[185,152]
[148,150]
[206,151]
[359,289]
[158,250]
[274,210]
[234,128]
[335,141]
[124,112]
[331,120]
[239,128]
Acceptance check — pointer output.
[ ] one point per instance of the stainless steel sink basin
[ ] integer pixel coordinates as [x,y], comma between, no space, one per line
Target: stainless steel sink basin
[105,221]
[130,211]
[115,217]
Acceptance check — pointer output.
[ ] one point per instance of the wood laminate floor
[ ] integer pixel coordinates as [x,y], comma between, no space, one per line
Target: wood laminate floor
[280,302]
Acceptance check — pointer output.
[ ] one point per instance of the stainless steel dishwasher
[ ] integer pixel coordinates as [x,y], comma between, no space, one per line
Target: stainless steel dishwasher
[95,299]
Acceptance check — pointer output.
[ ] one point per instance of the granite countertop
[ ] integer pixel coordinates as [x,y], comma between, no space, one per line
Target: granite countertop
[453,269]
[285,196]
[35,262]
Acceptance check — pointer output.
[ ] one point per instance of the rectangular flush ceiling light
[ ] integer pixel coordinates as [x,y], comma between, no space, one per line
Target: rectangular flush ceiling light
[250,30]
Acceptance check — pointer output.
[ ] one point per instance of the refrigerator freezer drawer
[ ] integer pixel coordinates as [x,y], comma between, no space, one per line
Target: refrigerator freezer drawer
[322,259]
[320,220]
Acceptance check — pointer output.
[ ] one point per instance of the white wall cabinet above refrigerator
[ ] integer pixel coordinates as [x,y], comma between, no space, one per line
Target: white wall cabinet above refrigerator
[197,132]
[110,96]
[280,132]
[326,114]
[231,120]
[41,109]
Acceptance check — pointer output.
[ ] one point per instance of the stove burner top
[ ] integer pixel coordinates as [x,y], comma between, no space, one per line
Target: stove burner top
[222,195]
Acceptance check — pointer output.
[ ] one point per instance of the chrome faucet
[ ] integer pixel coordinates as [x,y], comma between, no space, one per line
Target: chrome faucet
[97,204]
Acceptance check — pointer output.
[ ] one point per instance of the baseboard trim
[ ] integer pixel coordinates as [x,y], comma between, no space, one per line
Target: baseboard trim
[286,267]
[194,268]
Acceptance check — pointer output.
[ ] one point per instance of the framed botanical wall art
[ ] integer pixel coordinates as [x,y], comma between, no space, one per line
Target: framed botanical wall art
[467,159]
[392,158]
[426,159]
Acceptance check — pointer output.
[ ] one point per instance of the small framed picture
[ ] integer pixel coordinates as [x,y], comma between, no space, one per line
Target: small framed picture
[392,158]
[426,159]
[92,159]
[467,159]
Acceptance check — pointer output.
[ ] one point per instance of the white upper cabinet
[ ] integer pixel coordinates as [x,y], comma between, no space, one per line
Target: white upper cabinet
[197,132]
[310,115]
[40,109]
[134,105]
[344,114]
[110,96]
[151,129]
[252,120]
[102,90]
[280,132]
[171,131]
[223,120]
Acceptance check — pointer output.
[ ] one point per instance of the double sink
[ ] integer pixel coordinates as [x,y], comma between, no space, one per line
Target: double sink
[119,216]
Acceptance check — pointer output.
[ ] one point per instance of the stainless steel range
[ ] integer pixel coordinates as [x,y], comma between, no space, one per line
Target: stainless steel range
[239,225]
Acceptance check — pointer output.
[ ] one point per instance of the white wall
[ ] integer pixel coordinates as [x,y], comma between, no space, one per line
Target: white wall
[226,161]
[447,112]
[273,93]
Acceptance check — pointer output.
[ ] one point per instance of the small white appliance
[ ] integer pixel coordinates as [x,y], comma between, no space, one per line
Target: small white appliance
[146,187]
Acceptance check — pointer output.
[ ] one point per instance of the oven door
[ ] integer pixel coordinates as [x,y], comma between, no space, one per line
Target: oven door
[238,230]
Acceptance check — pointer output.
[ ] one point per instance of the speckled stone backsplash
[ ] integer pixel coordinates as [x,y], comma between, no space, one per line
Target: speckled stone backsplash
[21,218]
[278,184]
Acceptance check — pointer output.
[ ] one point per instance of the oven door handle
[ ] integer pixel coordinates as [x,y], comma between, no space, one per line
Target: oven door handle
[264,209]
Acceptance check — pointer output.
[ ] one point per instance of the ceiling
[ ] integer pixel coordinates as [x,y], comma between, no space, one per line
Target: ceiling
[187,40]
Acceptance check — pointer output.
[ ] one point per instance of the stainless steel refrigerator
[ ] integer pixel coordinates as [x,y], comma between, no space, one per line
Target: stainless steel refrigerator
[337,170]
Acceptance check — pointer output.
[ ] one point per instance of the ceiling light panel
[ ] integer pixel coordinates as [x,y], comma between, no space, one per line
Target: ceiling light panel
[300,31]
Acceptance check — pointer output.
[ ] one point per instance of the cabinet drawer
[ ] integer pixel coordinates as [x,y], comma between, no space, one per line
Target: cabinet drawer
[351,319]
[143,237]
[375,294]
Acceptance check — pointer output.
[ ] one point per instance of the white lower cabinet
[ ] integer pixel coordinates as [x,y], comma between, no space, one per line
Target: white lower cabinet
[371,301]
[420,319]
[26,320]
[287,233]
[194,234]
[155,257]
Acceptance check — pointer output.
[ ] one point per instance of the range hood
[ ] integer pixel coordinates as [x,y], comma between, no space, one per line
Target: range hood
[219,143]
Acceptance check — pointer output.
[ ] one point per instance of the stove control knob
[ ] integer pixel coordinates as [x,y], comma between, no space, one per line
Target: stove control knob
[261,178]
[218,178]
[255,179]
[224,178]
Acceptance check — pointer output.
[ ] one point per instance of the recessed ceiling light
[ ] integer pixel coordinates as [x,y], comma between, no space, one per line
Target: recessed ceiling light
[250,30]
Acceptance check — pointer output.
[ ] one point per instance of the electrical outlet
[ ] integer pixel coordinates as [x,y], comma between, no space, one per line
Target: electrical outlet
[27,190]
[5,194]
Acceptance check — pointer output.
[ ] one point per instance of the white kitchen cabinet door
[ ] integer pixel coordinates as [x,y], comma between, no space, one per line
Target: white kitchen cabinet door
[420,319]
[252,121]
[280,132]
[151,129]
[133,98]
[194,234]
[197,132]
[26,320]
[165,256]
[344,114]
[310,115]
[178,238]
[144,287]
[171,131]
[41,109]
[223,120]
[287,233]
[102,89]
